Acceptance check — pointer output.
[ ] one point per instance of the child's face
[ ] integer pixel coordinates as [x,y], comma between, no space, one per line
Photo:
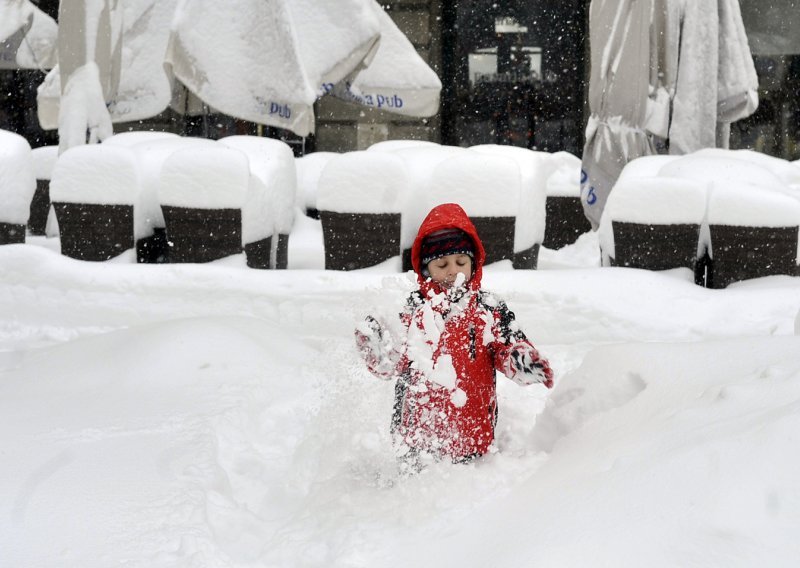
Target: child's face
[446,269]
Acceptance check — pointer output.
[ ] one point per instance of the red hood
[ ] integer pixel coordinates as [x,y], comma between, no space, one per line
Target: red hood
[447,216]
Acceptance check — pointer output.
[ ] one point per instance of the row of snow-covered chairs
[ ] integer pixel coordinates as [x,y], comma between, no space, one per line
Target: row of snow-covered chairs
[727,215]
[174,199]
[371,202]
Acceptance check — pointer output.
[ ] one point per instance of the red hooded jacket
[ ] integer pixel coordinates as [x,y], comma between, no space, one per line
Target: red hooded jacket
[446,399]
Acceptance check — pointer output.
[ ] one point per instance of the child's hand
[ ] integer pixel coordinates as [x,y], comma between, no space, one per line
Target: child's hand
[375,345]
[525,361]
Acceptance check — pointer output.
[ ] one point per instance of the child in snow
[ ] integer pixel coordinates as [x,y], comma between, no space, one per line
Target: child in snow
[454,336]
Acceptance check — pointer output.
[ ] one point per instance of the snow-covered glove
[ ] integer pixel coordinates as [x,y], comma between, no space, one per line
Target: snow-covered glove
[528,367]
[376,347]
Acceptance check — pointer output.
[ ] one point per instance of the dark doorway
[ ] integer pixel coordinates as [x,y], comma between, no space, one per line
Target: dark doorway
[514,73]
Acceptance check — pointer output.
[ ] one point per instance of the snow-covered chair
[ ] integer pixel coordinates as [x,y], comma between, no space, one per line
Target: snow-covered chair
[529,229]
[420,161]
[359,207]
[752,215]
[565,220]
[44,160]
[94,189]
[202,192]
[753,233]
[17,187]
[152,149]
[488,188]
[654,223]
[309,168]
[269,209]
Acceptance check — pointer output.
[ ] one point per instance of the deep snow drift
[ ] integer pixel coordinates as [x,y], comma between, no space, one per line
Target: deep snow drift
[214,415]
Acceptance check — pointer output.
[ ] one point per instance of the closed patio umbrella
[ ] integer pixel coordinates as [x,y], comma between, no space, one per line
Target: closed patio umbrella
[397,80]
[266,61]
[76,93]
[619,37]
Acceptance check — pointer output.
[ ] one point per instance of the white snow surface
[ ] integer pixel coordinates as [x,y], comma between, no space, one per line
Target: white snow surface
[309,168]
[96,173]
[44,160]
[565,181]
[17,178]
[205,177]
[535,169]
[363,182]
[152,152]
[272,161]
[214,415]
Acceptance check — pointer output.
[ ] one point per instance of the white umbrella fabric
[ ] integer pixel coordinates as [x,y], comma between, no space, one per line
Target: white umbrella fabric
[27,36]
[266,61]
[398,80]
[89,57]
[619,39]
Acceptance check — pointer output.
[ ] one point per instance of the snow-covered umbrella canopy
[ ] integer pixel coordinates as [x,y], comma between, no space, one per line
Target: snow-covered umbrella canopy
[398,80]
[27,36]
[266,61]
[619,39]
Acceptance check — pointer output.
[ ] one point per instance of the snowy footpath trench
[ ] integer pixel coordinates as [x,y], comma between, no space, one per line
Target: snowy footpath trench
[214,415]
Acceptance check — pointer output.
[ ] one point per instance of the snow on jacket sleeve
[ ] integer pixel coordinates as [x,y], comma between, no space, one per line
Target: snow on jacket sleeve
[375,346]
[514,355]
[380,350]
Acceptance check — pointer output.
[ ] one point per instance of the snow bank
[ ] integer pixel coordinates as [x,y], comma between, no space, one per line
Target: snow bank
[363,182]
[17,179]
[205,177]
[309,168]
[273,163]
[44,160]
[535,169]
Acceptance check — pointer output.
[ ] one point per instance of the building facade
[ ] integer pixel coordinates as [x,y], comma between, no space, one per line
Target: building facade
[513,72]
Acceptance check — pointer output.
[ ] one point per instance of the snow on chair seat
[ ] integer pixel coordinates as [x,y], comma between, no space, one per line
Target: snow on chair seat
[152,151]
[358,203]
[653,223]
[93,190]
[529,228]
[44,160]
[17,187]
[202,192]
[564,217]
[268,215]
[488,188]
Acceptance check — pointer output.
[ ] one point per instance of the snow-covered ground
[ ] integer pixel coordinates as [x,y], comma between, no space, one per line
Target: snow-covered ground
[215,415]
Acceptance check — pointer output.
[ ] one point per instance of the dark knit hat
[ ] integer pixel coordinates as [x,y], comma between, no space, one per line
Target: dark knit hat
[445,242]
